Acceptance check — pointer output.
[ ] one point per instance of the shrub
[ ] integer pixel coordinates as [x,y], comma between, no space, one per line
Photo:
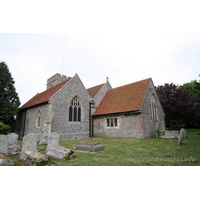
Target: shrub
[4,129]
[160,133]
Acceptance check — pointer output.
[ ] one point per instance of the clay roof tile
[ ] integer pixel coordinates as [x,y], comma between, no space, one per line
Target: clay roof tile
[123,99]
[44,96]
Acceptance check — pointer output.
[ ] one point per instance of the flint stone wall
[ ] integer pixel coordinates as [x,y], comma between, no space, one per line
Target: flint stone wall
[60,107]
[129,126]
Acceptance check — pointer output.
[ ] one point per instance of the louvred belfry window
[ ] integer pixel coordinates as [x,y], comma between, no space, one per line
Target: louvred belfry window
[75,110]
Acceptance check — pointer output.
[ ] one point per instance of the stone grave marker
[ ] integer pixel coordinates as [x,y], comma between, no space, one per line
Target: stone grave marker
[47,131]
[55,151]
[5,161]
[181,136]
[12,138]
[29,153]
[4,144]
[90,146]
[185,133]
[13,147]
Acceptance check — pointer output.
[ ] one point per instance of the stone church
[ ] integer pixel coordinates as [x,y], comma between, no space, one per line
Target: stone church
[68,108]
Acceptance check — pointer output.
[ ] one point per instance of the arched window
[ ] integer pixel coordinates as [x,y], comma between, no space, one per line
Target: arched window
[75,110]
[153,108]
[39,118]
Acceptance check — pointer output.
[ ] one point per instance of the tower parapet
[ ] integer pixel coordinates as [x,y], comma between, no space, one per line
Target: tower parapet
[55,80]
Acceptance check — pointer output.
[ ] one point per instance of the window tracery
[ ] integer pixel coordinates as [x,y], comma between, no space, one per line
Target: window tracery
[75,110]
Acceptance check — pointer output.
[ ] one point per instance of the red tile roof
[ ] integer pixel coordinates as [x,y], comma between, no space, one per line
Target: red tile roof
[123,99]
[93,90]
[44,96]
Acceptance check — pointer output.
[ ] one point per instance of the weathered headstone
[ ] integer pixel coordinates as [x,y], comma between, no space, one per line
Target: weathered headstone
[181,136]
[53,140]
[5,161]
[55,151]
[29,153]
[90,146]
[13,147]
[4,144]
[12,138]
[47,128]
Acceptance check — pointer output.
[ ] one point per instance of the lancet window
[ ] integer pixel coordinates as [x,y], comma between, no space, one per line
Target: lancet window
[153,109]
[75,110]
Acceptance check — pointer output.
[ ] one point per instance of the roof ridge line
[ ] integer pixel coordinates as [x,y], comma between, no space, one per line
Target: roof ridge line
[131,83]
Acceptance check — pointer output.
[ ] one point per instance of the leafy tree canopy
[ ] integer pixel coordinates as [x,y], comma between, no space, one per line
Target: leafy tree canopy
[179,105]
[193,86]
[9,100]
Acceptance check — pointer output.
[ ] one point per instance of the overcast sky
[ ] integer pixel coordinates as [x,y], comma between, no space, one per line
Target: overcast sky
[126,42]
[124,58]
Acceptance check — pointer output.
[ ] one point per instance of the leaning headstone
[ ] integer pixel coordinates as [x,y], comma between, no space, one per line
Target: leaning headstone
[181,136]
[5,161]
[90,146]
[13,147]
[55,151]
[4,144]
[29,153]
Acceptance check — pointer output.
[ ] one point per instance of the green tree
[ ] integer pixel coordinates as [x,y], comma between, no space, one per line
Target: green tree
[193,86]
[9,100]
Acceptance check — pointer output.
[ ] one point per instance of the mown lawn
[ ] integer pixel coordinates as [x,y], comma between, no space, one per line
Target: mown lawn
[132,152]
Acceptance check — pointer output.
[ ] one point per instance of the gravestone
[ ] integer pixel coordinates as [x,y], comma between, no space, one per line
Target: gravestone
[181,136]
[47,128]
[13,147]
[90,146]
[4,144]
[55,151]
[12,138]
[5,161]
[29,153]
[185,133]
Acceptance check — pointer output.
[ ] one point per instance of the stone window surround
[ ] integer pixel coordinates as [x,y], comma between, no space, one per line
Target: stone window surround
[153,106]
[79,105]
[109,127]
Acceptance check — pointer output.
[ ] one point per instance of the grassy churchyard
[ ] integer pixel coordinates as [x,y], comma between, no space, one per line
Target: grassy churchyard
[132,152]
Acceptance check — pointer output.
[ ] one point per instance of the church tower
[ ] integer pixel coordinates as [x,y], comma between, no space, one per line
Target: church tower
[55,80]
